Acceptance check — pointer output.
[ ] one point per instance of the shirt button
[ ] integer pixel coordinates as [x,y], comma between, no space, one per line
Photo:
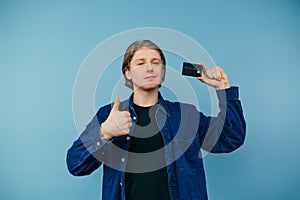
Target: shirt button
[123,160]
[127,138]
[134,118]
[121,184]
[98,143]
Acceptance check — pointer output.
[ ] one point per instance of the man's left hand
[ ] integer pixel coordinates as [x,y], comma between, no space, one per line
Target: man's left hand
[214,77]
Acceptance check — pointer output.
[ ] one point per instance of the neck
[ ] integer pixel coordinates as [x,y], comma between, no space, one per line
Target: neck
[145,98]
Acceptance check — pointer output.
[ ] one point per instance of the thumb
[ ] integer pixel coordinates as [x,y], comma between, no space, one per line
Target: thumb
[202,79]
[117,104]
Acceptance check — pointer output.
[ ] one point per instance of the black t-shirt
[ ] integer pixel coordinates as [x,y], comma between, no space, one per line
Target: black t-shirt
[146,138]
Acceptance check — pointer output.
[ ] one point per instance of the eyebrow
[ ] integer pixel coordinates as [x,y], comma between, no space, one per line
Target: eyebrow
[142,59]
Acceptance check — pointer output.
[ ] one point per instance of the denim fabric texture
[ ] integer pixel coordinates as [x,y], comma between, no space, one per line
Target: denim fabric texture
[184,130]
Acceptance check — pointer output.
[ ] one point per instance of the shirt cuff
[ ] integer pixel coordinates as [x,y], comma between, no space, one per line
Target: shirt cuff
[93,141]
[231,93]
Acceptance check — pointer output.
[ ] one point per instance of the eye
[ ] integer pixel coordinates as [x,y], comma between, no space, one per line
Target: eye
[139,63]
[156,63]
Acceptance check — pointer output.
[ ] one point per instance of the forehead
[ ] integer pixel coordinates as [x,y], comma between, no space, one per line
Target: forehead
[146,53]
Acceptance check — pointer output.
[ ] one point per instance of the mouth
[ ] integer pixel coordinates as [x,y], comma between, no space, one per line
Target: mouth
[149,77]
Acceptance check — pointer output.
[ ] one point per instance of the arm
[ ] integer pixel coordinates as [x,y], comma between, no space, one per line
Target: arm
[80,158]
[87,152]
[226,132]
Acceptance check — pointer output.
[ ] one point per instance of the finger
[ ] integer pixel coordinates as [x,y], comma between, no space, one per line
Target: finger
[203,67]
[202,79]
[215,74]
[208,73]
[116,104]
[126,117]
[218,74]
[129,119]
[223,74]
[125,131]
[126,114]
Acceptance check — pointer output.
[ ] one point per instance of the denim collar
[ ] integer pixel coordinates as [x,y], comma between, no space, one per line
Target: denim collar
[162,105]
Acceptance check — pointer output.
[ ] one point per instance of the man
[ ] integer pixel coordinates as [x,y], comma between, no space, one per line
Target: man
[150,147]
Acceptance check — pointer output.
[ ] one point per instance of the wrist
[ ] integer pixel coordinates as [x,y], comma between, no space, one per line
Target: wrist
[223,86]
[103,133]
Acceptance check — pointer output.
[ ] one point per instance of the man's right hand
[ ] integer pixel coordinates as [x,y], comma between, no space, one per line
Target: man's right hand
[118,123]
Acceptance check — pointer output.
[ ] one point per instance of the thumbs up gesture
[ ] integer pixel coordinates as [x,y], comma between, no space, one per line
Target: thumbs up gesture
[118,123]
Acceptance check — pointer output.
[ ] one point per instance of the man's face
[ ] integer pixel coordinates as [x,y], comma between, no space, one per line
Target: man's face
[146,70]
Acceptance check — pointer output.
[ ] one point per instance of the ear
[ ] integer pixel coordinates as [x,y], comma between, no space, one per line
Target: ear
[163,74]
[128,74]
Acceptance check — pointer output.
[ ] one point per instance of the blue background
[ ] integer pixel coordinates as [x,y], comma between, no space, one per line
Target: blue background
[43,43]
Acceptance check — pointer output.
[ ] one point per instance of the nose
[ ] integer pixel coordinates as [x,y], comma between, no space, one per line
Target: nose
[149,67]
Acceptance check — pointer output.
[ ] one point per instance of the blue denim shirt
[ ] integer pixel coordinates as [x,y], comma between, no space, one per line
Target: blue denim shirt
[184,131]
